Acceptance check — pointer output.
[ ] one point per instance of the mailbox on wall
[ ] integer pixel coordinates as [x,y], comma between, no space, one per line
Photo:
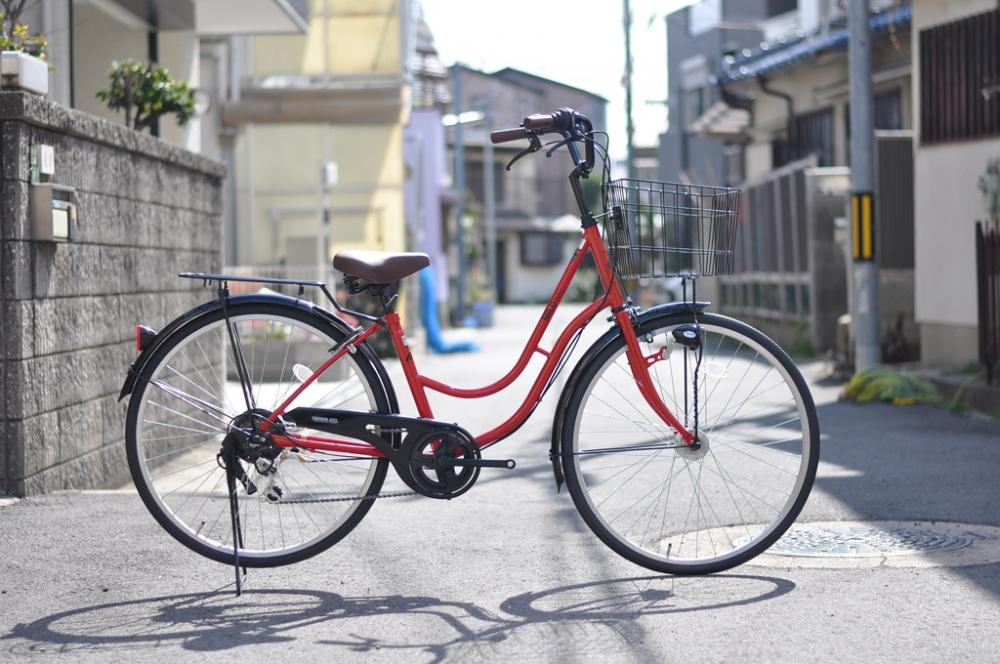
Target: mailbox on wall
[53,212]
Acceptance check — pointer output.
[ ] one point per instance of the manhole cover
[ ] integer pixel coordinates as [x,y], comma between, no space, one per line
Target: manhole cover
[864,540]
[872,544]
[886,543]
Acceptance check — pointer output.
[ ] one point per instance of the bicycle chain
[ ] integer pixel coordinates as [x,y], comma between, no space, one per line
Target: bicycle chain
[302,501]
[398,494]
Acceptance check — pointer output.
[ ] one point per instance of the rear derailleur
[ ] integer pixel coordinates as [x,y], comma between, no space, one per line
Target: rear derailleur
[245,442]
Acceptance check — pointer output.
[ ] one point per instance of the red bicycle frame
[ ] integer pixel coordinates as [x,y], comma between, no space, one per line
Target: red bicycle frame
[419,384]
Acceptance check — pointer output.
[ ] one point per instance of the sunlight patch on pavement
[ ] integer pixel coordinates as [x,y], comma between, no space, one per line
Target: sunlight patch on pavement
[829,470]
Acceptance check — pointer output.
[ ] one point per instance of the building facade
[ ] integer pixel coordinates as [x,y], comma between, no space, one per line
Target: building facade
[780,111]
[318,152]
[956,115]
[537,222]
[698,38]
[191,38]
[429,196]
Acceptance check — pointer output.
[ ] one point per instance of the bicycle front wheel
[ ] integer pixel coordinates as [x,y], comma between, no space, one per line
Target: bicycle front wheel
[189,396]
[663,505]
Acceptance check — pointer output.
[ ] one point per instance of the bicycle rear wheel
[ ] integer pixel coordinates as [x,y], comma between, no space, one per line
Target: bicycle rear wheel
[189,396]
[654,500]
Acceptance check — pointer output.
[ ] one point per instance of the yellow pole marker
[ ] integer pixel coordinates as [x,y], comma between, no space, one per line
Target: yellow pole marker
[867,227]
[862,227]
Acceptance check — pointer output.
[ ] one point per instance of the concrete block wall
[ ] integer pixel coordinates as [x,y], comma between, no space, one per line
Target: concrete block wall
[146,211]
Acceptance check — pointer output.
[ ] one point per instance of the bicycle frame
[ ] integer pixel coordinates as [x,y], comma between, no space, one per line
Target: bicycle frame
[419,384]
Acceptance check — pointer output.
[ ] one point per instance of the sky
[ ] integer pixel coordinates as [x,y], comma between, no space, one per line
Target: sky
[577,42]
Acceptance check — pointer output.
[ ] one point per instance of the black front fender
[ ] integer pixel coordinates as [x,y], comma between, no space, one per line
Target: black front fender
[136,368]
[588,357]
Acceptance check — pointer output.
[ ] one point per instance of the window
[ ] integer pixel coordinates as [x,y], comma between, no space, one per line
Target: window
[813,135]
[694,104]
[540,249]
[888,110]
[887,114]
[778,7]
[733,163]
[475,180]
[960,79]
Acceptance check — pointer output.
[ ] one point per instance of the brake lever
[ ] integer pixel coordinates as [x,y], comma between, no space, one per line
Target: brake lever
[535,146]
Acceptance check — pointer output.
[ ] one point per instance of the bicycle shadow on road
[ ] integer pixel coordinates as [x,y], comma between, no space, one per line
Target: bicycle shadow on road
[436,628]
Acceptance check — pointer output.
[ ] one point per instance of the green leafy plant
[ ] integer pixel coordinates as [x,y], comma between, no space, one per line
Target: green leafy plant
[890,386]
[147,92]
[15,36]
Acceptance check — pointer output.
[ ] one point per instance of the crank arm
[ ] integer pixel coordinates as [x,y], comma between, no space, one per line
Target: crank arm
[476,463]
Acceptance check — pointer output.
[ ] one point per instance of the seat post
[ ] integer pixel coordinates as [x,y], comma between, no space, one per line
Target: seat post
[387,296]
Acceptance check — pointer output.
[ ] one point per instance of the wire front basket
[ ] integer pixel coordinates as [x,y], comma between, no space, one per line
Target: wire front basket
[665,229]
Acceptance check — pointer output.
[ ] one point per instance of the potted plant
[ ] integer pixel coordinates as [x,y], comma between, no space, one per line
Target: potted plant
[23,63]
[146,92]
[482,298]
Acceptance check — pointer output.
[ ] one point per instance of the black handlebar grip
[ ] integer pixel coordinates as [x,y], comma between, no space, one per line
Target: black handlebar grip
[507,135]
[540,121]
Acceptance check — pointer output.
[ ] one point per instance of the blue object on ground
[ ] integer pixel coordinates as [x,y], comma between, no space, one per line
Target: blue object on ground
[429,317]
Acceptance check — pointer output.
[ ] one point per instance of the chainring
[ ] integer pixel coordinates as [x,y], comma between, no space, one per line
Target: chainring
[432,471]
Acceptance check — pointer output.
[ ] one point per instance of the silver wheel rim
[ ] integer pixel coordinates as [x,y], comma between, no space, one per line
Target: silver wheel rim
[682,521]
[180,425]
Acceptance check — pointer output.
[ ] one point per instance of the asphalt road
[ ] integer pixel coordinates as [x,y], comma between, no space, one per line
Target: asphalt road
[509,572]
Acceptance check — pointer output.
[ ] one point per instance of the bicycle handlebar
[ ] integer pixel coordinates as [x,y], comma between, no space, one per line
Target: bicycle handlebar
[566,121]
[540,121]
[508,135]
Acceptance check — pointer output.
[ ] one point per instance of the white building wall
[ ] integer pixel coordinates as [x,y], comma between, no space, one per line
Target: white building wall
[946,206]
[98,40]
[533,283]
[179,52]
[933,12]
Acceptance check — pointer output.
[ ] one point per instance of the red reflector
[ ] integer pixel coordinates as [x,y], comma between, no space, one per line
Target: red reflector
[143,337]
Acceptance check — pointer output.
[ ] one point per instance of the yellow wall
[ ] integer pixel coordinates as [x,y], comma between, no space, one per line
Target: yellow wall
[364,38]
[286,178]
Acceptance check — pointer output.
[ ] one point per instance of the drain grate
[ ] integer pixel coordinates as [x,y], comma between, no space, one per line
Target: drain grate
[862,540]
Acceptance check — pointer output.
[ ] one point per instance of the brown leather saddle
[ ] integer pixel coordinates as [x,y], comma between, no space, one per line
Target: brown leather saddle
[380,267]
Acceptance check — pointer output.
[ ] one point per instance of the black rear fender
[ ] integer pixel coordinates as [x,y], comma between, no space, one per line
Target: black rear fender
[136,368]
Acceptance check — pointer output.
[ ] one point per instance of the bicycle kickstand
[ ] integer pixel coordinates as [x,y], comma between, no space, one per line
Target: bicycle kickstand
[234,516]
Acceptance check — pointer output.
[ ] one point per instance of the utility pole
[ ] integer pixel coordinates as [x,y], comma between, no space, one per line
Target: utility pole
[489,202]
[865,317]
[629,128]
[460,187]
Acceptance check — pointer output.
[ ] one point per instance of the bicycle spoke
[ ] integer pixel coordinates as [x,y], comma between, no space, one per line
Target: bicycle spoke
[709,503]
[188,406]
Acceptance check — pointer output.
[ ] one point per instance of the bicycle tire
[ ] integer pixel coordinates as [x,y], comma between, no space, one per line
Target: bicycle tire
[726,507]
[180,357]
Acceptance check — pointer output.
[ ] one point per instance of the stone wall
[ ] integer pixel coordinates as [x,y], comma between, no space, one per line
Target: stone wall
[146,211]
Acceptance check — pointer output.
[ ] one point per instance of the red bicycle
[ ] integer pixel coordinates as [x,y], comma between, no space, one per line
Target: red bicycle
[261,427]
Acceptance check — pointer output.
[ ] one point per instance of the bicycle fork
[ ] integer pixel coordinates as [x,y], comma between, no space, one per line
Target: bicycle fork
[623,314]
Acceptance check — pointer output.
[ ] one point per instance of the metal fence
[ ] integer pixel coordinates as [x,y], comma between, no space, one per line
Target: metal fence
[988,289]
[790,273]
